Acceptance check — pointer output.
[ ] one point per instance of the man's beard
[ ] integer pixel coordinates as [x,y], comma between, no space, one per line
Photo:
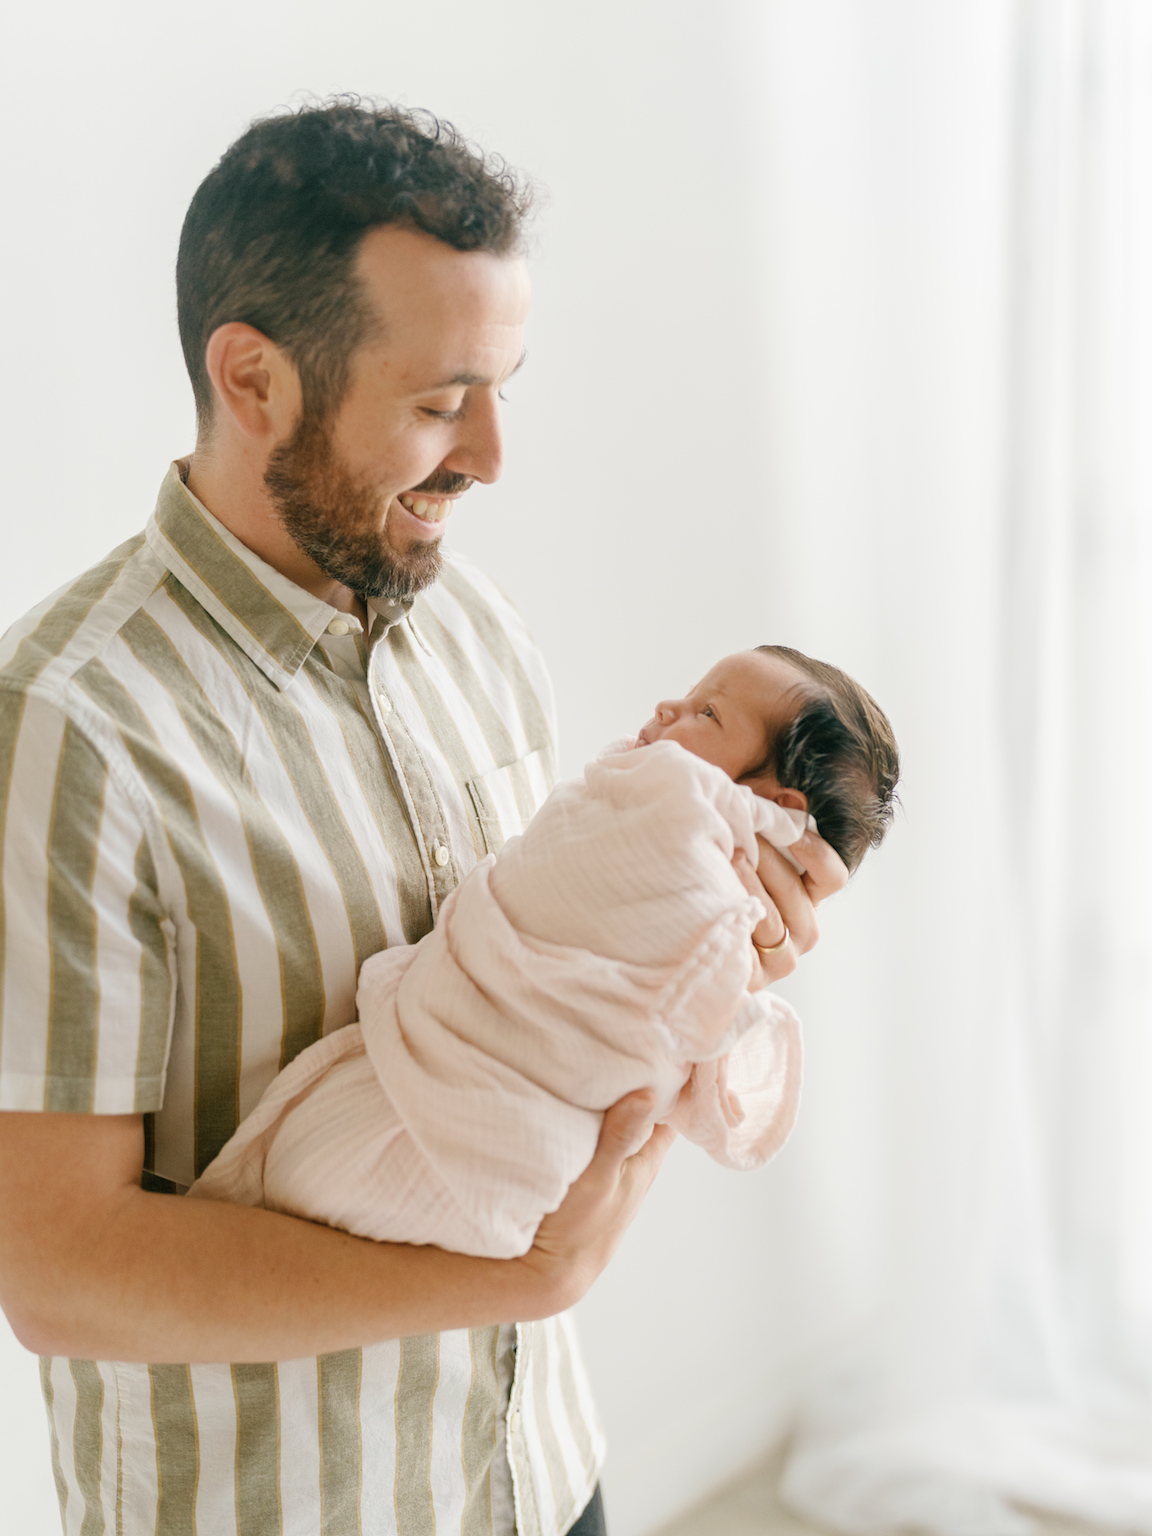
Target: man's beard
[335,517]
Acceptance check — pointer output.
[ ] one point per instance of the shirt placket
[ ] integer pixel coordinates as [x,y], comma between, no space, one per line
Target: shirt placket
[362,662]
[410,770]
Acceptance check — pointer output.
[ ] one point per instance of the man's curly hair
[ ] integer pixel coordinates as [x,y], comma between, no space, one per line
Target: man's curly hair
[271,236]
[839,751]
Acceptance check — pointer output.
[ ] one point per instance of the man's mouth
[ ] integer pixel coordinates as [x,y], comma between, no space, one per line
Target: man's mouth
[428,509]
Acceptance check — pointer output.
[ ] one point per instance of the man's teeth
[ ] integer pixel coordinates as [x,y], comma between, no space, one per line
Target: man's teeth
[429,511]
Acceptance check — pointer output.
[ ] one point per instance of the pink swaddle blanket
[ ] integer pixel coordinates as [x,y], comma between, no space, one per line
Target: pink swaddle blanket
[606,949]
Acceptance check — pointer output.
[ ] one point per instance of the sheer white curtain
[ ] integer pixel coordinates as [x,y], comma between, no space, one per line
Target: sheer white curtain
[1012,1362]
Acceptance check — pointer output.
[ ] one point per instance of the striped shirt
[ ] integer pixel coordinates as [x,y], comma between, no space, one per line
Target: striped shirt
[220,796]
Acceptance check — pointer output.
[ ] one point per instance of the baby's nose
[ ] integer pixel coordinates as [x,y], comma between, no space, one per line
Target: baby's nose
[666,711]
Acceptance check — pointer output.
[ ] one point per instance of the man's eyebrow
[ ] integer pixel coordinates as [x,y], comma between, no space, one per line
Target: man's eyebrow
[466,380]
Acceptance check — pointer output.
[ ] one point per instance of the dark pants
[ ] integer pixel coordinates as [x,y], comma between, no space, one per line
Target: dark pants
[591,1522]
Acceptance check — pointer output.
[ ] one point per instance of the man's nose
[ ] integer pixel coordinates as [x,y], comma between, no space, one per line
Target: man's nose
[479,448]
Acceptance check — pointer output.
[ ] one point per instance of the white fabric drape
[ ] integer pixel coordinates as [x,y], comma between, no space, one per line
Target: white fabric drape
[1013,1363]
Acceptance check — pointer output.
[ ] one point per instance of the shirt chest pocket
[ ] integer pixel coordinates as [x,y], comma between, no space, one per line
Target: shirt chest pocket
[505,799]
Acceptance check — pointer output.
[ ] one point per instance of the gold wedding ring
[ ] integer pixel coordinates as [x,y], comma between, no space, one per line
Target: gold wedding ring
[776,948]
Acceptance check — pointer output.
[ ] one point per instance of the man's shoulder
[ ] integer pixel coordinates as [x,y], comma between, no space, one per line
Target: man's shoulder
[464,590]
[71,628]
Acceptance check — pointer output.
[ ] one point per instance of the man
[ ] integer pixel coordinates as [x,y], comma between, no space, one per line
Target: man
[258,743]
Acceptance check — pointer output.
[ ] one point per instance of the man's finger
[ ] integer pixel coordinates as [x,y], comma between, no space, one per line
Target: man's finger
[770,930]
[790,897]
[774,950]
[624,1127]
[776,962]
[770,934]
[825,872]
[652,1154]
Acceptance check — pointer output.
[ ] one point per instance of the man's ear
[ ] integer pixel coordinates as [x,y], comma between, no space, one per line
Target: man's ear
[255,383]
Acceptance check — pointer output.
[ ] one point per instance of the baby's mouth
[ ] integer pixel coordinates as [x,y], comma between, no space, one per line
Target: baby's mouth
[429,509]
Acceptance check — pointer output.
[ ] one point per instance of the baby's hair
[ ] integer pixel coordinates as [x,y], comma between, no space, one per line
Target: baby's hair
[839,752]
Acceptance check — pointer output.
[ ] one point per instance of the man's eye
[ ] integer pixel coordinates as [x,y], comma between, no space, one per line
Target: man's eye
[445,415]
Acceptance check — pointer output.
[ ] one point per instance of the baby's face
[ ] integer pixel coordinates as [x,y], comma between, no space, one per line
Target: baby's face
[730,718]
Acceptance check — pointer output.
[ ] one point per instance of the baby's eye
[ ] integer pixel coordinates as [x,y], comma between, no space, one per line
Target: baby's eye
[707,710]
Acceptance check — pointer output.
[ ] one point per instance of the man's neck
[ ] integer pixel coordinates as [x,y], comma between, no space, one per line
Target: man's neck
[231,485]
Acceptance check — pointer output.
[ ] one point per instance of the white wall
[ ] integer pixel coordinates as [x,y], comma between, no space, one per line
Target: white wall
[764,330]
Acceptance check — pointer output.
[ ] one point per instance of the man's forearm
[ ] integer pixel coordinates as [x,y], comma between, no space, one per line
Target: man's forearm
[92,1266]
[166,1279]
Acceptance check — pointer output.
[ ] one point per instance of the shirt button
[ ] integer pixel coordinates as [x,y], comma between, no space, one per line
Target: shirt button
[441,854]
[514,1423]
[339,627]
[385,703]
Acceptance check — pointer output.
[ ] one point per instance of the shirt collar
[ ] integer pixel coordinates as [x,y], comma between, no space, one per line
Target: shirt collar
[272,620]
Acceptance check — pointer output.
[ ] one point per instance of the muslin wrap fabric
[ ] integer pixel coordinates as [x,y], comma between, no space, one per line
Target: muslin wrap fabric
[606,949]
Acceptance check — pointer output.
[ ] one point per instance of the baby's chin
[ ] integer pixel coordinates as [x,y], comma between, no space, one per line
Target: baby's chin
[624,744]
[642,740]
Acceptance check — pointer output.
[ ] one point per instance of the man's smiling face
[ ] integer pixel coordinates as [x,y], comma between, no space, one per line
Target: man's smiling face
[367,494]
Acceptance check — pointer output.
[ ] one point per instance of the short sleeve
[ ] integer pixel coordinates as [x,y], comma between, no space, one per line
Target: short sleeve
[87,981]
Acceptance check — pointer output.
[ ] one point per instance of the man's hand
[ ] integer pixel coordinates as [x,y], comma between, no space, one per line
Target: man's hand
[791,899]
[574,1244]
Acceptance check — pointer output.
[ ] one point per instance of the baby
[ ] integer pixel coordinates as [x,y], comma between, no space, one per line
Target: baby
[607,949]
[796,731]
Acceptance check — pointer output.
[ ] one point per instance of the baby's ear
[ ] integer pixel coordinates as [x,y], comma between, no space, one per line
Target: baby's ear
[765,785]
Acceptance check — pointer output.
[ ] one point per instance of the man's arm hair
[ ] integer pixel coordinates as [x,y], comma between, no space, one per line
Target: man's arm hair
[94,1267]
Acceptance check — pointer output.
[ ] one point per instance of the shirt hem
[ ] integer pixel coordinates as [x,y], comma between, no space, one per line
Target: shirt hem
[80,1095]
